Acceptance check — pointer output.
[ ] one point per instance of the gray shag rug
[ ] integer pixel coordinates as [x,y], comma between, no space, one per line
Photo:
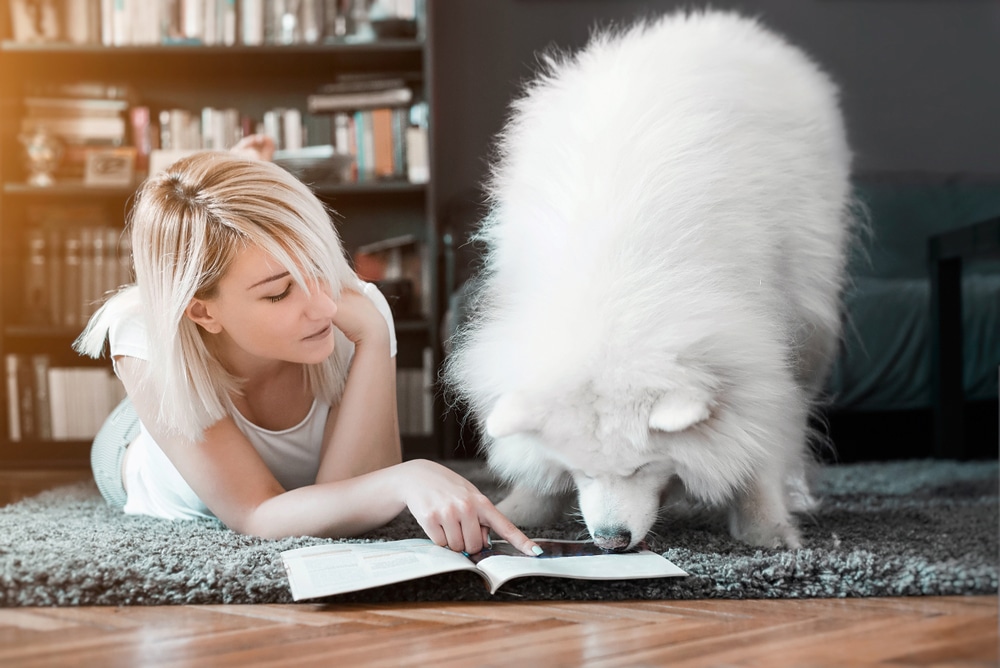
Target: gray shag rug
[883,529]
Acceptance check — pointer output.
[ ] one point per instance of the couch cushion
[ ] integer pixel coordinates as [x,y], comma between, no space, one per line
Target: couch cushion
[885,363]
[904,211]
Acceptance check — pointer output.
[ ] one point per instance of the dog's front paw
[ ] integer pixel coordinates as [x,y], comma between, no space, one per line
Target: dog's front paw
[760,517]
[527,508]
[773,536]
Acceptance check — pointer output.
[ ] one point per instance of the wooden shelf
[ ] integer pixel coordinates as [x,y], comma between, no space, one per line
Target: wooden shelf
[345,46]
[178,62]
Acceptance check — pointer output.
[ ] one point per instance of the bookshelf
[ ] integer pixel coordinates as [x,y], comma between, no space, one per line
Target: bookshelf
[252,79]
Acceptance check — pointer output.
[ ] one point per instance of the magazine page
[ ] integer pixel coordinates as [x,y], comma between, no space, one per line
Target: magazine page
[571,559]
[336,568]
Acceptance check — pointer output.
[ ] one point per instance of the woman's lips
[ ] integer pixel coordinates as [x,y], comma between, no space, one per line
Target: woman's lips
[321,334]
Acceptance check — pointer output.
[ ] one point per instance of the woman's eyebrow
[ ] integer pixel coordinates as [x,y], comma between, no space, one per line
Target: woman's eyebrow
[269,279]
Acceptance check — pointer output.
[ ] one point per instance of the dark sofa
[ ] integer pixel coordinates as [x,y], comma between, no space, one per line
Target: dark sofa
[883,378]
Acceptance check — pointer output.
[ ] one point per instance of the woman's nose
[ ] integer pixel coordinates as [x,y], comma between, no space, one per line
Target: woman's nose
[320,305]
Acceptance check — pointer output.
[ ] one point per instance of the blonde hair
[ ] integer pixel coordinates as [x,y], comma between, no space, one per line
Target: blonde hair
[187,227]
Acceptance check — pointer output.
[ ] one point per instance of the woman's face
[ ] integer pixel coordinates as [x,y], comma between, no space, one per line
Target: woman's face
[261,312]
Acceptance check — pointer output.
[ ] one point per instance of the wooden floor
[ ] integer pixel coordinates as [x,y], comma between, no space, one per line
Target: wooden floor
[942,631]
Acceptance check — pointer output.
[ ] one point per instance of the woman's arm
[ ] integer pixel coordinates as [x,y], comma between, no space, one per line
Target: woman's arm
[362,433]
[228,475]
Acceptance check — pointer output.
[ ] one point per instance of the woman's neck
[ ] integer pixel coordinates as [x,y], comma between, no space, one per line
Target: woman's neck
[252,370]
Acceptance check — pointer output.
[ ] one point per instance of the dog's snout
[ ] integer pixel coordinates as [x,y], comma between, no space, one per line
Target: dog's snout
[613,539]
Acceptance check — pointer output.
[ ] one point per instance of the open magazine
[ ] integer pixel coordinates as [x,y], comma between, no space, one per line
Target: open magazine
[337,568]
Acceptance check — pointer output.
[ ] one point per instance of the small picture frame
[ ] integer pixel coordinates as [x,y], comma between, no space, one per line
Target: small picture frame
[110,167]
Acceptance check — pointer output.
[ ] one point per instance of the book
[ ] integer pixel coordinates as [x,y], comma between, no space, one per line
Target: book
[338,568]
[81,128]
[325,103]
[13,362]
[43,417]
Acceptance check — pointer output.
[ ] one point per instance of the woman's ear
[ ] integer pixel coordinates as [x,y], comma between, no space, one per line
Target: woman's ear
[197,312]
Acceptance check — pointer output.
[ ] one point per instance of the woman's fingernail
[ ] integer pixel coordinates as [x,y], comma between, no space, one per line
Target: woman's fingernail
[537,550]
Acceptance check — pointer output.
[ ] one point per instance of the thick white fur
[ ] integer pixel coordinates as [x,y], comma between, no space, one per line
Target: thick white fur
[661,295]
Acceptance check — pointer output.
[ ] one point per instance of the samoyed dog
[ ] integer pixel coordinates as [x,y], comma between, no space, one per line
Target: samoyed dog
[660,297]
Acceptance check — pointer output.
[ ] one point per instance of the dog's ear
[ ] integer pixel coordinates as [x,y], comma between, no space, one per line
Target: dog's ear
[678,410]
[511,414]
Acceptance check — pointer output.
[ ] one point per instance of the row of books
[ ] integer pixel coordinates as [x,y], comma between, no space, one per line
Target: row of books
[71,263]
[378,121]
[51,403]
[207,22]
[382,142]
[74,257]
[415,398]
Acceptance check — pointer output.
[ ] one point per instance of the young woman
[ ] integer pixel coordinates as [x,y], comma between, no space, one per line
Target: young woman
[260,371]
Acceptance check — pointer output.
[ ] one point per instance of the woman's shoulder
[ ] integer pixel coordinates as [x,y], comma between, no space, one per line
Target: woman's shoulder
[371,291]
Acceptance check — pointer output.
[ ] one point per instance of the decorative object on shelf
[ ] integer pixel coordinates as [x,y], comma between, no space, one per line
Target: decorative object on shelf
[110,167]
[360,22]
[42,154]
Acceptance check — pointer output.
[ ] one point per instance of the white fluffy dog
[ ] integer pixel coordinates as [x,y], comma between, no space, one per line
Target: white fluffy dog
[660,300]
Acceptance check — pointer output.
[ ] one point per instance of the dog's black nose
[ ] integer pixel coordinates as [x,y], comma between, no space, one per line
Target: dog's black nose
[613,539]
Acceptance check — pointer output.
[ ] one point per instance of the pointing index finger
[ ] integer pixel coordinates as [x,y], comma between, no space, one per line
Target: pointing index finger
[506,530]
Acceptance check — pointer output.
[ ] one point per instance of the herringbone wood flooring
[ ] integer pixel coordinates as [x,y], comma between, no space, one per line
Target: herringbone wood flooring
[944,631]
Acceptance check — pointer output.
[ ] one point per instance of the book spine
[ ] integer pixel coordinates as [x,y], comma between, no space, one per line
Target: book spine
[142,138]
[26,397]
[291,129]
[54,277]
[112,267]
[57,403]
[13,403]
[36,288]
[228,22]
[87,285]
[252,22]
[400,121]
[42,407]
[72,280]
[382,143]
[417,167]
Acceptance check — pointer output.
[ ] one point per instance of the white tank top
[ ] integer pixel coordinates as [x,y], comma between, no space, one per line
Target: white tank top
[156,488]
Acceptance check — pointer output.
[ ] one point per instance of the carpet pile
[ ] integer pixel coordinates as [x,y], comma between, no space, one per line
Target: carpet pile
[883,529]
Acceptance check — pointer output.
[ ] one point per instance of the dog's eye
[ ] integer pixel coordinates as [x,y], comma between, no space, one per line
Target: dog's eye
[637,471]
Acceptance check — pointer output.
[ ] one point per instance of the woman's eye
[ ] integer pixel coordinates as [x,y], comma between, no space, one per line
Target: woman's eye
[278,298]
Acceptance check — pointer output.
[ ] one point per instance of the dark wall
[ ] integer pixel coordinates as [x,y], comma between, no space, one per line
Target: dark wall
[920,78]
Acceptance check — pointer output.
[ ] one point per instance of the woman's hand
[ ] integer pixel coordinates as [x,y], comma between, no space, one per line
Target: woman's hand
[260,147]
[453,513]
[359,319]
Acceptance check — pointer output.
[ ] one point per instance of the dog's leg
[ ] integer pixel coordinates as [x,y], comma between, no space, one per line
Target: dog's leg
[759,515]
[526,507]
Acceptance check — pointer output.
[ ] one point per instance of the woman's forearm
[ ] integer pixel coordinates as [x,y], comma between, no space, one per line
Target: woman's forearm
[331,509]
[364,435]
